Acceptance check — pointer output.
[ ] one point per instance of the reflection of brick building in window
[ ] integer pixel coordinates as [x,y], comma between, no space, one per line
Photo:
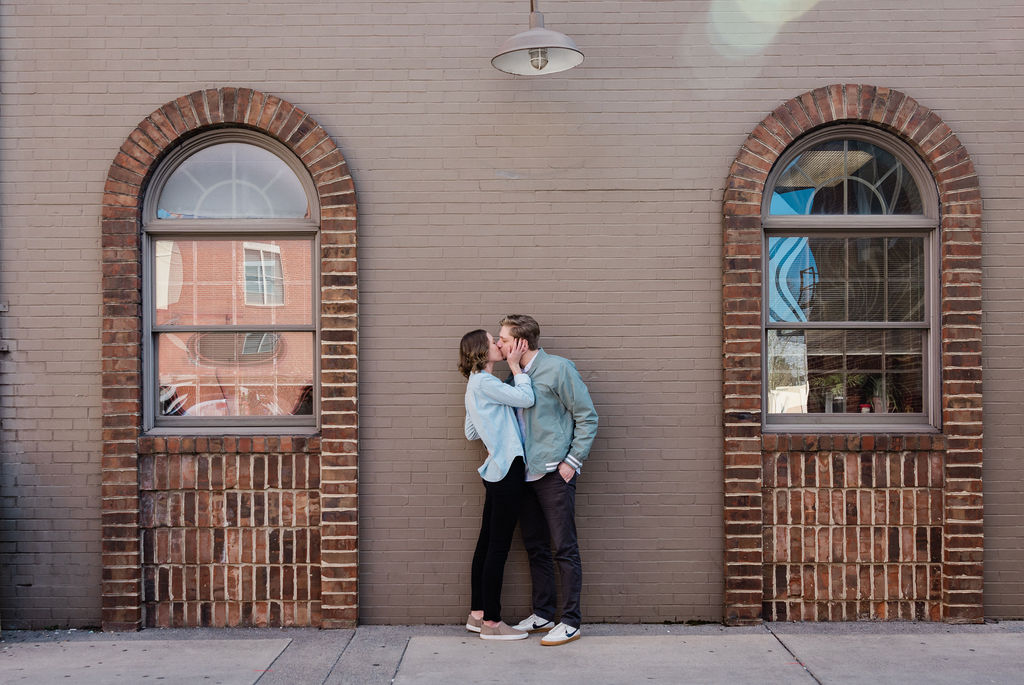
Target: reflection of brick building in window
[248,286]
[264,277]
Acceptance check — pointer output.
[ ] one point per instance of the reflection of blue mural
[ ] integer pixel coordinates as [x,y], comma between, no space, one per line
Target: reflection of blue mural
[792,202]
[792,275]
[164,214]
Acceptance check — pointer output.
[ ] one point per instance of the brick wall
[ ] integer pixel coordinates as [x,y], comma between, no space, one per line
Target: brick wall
[760,580]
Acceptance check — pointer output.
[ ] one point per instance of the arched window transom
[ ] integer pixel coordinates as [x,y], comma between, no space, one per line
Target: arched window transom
[845,176]
[233,181]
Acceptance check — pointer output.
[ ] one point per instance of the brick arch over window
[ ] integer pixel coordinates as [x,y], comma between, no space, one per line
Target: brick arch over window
[853,526]
[174,507]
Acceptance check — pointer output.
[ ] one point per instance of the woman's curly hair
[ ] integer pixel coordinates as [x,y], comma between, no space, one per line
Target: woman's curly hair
[473,352]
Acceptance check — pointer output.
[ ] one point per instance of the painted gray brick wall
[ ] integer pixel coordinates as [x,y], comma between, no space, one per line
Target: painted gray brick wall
[590,199]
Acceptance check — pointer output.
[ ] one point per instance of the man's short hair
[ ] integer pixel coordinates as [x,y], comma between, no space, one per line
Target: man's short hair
[523,326]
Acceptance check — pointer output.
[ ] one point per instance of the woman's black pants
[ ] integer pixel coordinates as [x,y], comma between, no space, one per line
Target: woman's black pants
[501,512]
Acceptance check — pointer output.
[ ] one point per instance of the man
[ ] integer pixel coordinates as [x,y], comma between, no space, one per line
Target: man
[558,431]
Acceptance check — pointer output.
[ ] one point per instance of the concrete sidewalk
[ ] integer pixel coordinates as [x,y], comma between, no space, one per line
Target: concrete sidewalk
[612,654]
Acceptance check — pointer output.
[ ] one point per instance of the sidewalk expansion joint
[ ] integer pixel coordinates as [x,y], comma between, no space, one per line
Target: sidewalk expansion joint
[792,654]
[341,653]
[402,657]
[270,666]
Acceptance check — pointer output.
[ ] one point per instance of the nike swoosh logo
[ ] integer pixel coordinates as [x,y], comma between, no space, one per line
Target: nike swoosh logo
[572,633]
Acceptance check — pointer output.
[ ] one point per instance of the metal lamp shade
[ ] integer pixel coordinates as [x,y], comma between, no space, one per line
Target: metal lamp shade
[537,51]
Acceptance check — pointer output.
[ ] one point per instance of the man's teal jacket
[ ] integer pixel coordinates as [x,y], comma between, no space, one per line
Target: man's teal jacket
[562,423]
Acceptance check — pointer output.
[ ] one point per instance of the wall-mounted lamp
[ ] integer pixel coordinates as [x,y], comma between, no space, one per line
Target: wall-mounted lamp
[537,51]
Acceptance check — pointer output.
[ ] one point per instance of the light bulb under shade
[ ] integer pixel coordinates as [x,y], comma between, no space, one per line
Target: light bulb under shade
[520,53]
[538,58]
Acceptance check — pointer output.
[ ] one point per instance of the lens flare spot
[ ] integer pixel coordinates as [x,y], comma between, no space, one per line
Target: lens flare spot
[740,28]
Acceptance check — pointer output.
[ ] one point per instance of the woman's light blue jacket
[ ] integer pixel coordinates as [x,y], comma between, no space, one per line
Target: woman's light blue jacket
[490,417]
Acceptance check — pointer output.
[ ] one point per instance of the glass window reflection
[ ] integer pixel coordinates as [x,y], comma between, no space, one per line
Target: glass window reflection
[845,177]
[845,371]
[819,280]
[233,282]
[235,374]
[233,181]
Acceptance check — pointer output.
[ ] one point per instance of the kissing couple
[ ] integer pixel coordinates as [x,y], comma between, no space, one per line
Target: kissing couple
[538,427]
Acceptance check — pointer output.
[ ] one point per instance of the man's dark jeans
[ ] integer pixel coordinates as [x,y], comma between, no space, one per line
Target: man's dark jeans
[548,518]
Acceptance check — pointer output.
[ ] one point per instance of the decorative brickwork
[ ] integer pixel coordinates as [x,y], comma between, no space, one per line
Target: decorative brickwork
[230,531]
[332,512]
[758,575]
[852,527]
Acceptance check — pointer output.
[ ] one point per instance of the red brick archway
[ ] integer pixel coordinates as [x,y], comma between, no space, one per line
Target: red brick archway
[758,469]
[163,568]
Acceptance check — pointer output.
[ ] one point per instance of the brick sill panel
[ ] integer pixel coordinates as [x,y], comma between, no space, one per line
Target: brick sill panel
[230,530]
[228,444]
[851,442]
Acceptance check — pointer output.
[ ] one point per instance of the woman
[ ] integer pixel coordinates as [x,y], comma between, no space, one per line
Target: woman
[490,417]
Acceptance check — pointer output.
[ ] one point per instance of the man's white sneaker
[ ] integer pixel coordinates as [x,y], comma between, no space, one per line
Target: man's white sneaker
[534,624]
[560,634]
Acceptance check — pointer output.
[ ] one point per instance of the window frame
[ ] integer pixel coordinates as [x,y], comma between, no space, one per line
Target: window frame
[242,231]
[925,225]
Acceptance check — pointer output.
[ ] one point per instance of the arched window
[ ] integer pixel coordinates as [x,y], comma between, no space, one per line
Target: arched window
[230,227]
[850,220]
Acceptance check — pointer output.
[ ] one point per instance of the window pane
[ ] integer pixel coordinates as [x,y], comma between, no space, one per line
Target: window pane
[829,199]
[904,368]
[825,382]
[845,371]
[867,300]
[867,279]
[868,163]
[903,393]
[864,367]
[906,300]
[233,282]
[905,271]
[845,279]
[845,177]
[905,258]
[867,258]
[787,372]
[235,374]
[862,198]
[264,282]
[903,349]
[884,184]
[233,181]
[812,183]
[806,279]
